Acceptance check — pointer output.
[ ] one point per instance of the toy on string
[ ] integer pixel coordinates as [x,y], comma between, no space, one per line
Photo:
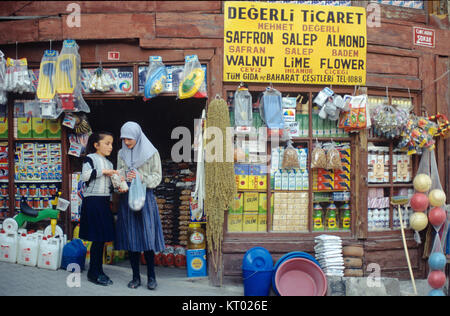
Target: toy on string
[155,82]
[388,121]
[418,135]
[443,125]
[193,83]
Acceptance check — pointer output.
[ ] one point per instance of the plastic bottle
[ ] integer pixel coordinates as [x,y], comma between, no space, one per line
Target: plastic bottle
[196,238]
[318,218]
[8,247]
[49,254]
[331,218]
[346,219]
[28,250]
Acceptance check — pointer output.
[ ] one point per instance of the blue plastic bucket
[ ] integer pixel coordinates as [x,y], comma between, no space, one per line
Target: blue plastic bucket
[257,283]
[257,270]
[290,255]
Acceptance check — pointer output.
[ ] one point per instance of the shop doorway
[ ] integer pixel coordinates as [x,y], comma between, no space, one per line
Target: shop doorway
[157,118]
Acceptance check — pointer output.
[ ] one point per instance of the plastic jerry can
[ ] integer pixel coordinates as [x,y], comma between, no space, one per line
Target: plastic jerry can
[8,247]
[49,254]
[28,250]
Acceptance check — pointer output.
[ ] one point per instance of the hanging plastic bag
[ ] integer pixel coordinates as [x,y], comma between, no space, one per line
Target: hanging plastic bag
[243,113]
[290,157]
[155,82]
[193,83]
[318,157]
[17,77]
[136,194]
[271,109]
[68,79]
[3,93]
[46,88]
[101,80]
[333,157]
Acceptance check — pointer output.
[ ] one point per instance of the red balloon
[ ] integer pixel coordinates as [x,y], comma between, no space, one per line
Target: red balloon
[437,216]
[419,202]
[436,279]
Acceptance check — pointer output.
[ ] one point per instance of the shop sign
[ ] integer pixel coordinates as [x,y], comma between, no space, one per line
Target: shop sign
[424,37]
[294,43]
[114,56]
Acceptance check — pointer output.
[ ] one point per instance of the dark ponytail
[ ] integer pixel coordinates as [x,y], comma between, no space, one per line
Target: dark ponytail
[95,138]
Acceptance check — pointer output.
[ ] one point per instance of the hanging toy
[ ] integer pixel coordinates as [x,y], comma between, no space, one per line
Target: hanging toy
[193,83]
[443,125]
[156,78]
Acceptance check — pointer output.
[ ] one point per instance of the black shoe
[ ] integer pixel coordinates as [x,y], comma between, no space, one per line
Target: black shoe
[100,280]
[108,280]
[152,284]
[134,284]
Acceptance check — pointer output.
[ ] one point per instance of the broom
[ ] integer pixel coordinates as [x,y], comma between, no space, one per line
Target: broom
[399,201]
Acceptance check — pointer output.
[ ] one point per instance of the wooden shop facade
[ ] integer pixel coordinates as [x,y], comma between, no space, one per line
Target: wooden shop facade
[124,34]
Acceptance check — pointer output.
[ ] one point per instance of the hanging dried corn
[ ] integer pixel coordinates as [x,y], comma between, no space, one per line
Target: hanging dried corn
[219,173]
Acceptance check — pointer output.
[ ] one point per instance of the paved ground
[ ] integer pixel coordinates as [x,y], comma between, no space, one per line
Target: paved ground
[18,280]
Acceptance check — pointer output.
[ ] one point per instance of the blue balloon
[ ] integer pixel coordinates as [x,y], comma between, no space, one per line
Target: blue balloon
[436,293]
[437,261]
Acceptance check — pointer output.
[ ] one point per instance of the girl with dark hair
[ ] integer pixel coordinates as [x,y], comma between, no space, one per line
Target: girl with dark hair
[96,220]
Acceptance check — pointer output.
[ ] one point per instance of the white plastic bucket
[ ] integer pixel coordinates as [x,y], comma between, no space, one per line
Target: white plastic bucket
[28,250]
[8,247]
[49,254]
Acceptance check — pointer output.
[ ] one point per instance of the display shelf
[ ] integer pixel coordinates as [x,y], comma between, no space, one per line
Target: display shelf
[37,181]
[18,140]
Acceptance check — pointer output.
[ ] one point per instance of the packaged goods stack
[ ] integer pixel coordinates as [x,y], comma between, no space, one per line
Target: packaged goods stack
[173,196]
[329,254]
[353,260]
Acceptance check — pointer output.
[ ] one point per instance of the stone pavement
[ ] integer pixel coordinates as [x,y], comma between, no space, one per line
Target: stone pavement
[22,280]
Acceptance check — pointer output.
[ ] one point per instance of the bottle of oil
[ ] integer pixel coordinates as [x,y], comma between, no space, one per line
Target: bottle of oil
[317,218]
[331,218]
[196,235]
[345,217]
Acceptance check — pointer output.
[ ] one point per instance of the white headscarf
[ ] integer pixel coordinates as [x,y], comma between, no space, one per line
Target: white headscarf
[141,152]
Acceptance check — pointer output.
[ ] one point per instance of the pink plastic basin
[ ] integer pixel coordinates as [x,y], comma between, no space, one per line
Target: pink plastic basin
[300,277]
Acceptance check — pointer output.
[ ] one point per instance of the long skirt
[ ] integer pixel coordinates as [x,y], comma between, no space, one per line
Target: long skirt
[96,219]
[139,230]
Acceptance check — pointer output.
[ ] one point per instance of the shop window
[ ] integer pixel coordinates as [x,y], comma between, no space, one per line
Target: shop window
[412,4]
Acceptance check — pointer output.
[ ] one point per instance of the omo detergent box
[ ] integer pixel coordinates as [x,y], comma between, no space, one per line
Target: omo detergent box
[196,263]
[54,128]
[38,127]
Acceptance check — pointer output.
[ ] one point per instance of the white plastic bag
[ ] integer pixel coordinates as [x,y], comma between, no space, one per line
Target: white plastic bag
[136,194]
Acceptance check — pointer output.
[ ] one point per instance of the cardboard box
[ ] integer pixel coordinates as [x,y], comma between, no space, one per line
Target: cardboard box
[196,263]
[235,222]
[262,203]
[250,222]
[54,128]
[251,201]
[3,127]
[237,206]
[262,222]
[242,173]
[262,182]
[38,127]
[24,127]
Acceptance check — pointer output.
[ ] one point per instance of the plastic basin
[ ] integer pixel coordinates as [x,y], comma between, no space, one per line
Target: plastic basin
[300,277]
[290,255]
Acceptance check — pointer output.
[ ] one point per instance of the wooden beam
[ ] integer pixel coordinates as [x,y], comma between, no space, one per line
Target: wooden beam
[180,43]
[112,26]
[177,25]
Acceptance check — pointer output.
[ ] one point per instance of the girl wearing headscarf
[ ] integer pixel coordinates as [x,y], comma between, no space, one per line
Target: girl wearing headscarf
[139,231]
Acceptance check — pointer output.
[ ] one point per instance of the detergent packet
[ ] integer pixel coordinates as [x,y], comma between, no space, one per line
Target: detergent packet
[155,81]
[193,83]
